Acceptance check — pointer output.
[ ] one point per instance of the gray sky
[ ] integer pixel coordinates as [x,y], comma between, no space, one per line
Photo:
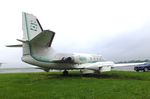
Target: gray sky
[116,29]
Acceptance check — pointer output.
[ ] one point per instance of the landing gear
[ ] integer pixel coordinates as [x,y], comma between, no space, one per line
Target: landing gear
[65,73]
[46,69]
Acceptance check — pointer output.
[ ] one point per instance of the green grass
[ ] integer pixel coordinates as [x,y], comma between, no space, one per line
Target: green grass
[110,85]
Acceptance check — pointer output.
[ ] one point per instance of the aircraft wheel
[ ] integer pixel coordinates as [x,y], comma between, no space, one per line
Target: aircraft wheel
[65,73]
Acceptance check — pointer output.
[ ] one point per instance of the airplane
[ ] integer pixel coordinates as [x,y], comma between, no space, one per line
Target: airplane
[1,64]
[38,51]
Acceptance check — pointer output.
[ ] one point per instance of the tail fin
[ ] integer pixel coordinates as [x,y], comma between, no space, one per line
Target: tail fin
[32,30]
[35,39]
[31,26]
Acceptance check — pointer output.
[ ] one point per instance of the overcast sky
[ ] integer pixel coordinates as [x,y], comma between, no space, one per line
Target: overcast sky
[116,29]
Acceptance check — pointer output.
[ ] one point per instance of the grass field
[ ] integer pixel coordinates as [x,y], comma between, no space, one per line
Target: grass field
[110,85]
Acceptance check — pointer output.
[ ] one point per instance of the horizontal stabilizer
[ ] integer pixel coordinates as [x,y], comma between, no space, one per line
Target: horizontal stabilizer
[17,45]
[23,41]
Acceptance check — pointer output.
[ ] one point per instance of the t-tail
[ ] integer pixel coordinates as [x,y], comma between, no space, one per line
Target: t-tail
[35,40]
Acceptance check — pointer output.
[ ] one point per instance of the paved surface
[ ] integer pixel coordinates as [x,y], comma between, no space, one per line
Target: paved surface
[19,70]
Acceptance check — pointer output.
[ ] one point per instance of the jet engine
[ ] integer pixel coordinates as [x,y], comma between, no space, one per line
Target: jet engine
[67,59]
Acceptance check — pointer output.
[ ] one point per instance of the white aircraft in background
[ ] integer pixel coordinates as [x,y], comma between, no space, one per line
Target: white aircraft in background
[37,51]
[1,64]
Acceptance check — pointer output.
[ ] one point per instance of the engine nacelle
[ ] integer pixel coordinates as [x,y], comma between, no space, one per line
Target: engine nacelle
[67,59]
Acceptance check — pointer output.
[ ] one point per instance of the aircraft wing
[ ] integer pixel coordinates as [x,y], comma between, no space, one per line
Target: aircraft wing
[127,64]
[17,45]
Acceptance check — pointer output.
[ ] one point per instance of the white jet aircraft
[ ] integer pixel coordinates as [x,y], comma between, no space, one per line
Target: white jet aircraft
[0,64]
[37,50]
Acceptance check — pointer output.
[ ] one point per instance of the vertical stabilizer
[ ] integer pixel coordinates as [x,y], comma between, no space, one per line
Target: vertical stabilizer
[31,26]
[36,41]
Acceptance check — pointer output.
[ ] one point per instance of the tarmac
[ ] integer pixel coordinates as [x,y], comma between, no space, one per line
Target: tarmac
[19,70]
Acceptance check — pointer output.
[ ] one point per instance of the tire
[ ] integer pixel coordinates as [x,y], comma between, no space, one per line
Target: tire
[65,73]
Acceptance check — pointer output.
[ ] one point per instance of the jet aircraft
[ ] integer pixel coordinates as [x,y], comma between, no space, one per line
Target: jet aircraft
[38,51]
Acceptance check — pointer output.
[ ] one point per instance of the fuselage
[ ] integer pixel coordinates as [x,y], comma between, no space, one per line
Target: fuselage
[68,61]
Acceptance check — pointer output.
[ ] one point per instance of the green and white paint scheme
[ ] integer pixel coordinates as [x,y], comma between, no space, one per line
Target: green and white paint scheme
[37,51]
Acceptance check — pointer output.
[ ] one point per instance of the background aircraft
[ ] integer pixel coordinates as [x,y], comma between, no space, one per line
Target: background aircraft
[37,50]
[0,64]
